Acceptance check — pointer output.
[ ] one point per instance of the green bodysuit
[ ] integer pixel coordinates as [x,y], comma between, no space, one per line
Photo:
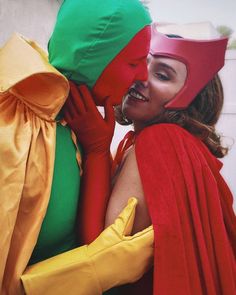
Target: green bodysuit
[58,233]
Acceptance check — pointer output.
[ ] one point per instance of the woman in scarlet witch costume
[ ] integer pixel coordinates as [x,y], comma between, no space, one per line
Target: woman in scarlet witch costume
[40,158]
[170,164]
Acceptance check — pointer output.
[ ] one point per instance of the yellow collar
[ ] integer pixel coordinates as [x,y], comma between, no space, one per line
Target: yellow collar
[26,73]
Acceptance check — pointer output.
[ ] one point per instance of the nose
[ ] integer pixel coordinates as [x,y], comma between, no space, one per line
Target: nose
[142,84]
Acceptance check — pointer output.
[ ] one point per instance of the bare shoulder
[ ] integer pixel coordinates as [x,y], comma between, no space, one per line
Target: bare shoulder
[128,184]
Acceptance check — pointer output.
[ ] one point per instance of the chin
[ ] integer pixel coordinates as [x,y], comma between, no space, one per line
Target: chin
[115,101]
[132,116]
[99,101]
[135,115]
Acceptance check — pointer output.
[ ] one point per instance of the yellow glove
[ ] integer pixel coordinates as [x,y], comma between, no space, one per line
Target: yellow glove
[112,259]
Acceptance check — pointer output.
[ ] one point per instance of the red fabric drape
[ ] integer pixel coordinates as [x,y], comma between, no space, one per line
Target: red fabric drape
[191,209]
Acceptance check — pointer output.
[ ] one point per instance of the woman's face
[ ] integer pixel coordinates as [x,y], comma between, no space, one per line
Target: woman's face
[146,100]
[128,66]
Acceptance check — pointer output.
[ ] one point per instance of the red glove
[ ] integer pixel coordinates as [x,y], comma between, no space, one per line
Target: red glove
[93,132]
[95,135]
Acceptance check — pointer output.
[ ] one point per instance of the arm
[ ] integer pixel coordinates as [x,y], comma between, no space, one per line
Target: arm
[95,135]
[95,182]
[87,269]
[128,184]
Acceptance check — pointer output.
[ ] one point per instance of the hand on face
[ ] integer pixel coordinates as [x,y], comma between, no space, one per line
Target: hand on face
[93,132]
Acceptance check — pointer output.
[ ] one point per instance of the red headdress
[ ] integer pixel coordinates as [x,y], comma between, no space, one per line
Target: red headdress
[203,59]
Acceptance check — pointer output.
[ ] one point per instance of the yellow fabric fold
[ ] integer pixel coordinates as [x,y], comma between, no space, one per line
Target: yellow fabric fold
[31,94]
[26,73]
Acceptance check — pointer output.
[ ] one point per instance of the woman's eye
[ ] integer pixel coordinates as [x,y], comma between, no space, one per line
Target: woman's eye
[162,77]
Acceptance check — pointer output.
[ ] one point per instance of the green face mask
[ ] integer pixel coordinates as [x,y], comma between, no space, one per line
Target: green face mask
[88,34]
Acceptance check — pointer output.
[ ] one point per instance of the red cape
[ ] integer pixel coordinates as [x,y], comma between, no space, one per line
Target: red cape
[191,210]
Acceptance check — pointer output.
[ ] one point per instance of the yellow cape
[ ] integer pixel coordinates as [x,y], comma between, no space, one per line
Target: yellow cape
[31,94]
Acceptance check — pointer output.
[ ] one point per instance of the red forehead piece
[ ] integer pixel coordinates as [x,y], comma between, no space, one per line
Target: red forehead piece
[203,59]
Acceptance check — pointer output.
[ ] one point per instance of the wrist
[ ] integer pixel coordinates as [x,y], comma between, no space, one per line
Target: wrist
[92,154]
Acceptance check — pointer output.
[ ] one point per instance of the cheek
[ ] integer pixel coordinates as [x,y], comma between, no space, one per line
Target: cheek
[115,82]
[168,91]
[158,99]
[161,92]
[125,80]
[117,77]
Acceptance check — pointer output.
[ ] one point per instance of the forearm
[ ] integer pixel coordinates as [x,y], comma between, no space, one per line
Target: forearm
[87,270]
[95,191]
[62,274]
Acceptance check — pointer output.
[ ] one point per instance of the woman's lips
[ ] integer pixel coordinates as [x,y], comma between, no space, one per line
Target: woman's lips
[136,95]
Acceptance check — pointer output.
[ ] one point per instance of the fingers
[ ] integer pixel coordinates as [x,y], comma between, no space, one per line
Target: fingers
[76,102]
[81,101]
[76,98]
[87,98]
[70,111]
[124,223]
[109,114]
[147,235]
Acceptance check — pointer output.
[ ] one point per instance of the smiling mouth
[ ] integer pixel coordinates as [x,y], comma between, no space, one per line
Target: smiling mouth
[133,93]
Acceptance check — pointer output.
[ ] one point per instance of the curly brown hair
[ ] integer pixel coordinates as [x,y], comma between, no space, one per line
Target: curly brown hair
[199,118]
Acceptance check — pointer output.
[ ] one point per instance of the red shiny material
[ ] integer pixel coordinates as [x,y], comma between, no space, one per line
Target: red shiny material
[191,210]
[127,67]
[92,131]
[125,143]
[94,134]
[203,59]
